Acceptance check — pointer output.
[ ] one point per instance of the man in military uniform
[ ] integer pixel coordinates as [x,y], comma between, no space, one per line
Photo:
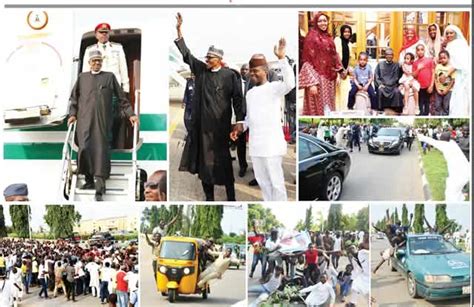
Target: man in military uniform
[113,55]
[114,61]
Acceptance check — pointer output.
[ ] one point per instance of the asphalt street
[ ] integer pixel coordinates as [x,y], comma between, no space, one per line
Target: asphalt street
[378,177]
[389,289]
[187,187]
[224,292]
[343,261]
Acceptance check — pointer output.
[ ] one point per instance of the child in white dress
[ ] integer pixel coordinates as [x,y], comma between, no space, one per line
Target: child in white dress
[407,83]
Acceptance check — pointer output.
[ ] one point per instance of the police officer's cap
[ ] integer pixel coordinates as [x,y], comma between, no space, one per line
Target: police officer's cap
[16,189]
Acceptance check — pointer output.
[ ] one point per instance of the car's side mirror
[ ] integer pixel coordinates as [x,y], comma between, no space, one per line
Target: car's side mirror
[401,253]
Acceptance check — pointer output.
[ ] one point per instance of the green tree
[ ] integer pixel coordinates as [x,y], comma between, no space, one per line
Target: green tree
[404,215]
[187,220]
[442,219]
[458,122]
[348,222]
[308,221]
[20,215]
[300,225]
[145,218]
[207,222]
[238,239]
[395,216]
[173,211]
[334,217]
[264,215]
[363,219]
[381,224]
[3,229]
[154,217]
[61,220]
[418,219]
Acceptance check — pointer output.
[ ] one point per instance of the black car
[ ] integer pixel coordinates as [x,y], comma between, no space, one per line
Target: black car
[322,169]
[99,238]
[387,140]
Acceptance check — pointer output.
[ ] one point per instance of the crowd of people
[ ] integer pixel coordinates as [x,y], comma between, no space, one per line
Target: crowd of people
[431,77]
[316,269]
[106,270]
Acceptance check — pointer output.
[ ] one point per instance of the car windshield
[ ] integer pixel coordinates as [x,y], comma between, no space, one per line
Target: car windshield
[426,245]
[177,250]
[388,132]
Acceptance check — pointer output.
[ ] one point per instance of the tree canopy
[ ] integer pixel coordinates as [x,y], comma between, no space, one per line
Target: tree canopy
[61,220]
[3,228]
[264,215]
[20,215]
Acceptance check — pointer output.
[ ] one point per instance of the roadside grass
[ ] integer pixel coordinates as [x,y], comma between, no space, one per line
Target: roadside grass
[436,171]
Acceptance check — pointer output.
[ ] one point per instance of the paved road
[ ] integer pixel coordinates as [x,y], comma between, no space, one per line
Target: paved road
[343,261]
[33,300]
[384,177]
[389,288]
[186,187]
[224,292]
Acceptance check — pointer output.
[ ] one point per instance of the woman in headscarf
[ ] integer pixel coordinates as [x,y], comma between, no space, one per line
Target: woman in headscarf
[321,64]
[460,60]
[410,41]
[344,50]
[434,41]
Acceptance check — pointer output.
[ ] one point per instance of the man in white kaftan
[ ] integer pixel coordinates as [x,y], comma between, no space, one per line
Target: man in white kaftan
[267,144]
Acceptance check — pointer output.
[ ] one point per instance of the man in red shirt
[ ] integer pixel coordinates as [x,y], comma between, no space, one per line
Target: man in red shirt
[312,269]
[423,71]
[258,242]
[122,287]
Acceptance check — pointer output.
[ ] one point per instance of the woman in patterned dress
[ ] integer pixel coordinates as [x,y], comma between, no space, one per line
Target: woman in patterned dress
[321,64]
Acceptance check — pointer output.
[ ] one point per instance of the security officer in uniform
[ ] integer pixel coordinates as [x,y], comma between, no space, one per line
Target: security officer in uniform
[114,61]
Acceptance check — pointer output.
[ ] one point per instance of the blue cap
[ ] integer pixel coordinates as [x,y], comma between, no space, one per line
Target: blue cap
[16,189]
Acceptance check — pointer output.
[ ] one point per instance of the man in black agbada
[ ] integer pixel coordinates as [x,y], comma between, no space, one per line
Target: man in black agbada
[217,89]
[91,106]
[387,74]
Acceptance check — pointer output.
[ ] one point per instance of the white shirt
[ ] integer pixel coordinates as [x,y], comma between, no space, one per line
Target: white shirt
[266,138]
[270,245]
[320,294]
[114,61]
[107,274]
[337,244]
[42,271]
[132,279]
[273,284]
[161,231]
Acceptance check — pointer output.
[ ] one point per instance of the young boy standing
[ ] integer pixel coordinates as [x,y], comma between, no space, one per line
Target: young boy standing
[443,89]
[423,70]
